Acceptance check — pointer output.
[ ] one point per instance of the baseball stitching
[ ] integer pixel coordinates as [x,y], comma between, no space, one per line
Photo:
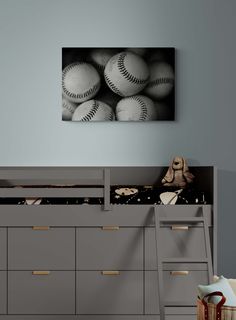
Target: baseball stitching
[100,67]
[78,95]
[128,76]
[143,106]
[93,111]
[112,86]
[160,81]
[68,107]
[110,117]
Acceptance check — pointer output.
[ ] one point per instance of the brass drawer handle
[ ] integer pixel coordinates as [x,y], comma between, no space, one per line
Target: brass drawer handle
[176,227]
[110,228]
[179,273]
[110,273]
[43,228]
[40,273]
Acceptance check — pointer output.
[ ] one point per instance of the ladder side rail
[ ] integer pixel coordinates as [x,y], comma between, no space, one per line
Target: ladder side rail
[159,265]
[207,245]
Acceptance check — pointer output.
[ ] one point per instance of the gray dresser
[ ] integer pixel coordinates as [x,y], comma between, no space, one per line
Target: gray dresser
[84,262]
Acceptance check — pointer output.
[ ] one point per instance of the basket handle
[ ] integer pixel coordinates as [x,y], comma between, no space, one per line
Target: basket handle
[218,306]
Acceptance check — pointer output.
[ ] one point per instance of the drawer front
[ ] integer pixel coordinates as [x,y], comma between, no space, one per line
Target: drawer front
[3,249]
[52,249]
[109,294]
[41,294]
[176,243]
[110,248]
[178,289]
[3,292]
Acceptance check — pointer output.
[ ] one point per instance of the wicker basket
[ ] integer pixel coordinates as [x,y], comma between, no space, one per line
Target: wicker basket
[210,311]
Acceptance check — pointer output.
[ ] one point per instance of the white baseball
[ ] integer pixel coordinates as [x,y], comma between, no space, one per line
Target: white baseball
[136,108]
[100,56]
[126,74]
[68,109]
[80,82]
[161,80]
[93,110]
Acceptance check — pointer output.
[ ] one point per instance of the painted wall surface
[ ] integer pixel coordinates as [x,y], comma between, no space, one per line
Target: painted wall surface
[32,33]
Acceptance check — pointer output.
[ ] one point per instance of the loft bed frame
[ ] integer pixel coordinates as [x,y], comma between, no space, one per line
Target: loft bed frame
[94,182]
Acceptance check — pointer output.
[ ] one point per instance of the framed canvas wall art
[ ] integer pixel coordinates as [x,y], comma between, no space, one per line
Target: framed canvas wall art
[118,84]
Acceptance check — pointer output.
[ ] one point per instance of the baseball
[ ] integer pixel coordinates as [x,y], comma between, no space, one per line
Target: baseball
[126,74]
[161,80]
[99,58]
[68,109]
[93,110]
[80,82]
[136,108]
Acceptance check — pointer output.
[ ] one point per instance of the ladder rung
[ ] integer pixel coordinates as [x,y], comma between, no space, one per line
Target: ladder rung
[183,260]
[182,219]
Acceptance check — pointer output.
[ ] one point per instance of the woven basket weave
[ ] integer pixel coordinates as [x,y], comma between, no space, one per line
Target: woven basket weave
[210,311]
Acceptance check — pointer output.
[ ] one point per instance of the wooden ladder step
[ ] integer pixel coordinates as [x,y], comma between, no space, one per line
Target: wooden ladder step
[184,260]
[182,219]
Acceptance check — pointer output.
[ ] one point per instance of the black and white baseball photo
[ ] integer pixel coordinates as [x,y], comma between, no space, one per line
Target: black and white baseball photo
[118,84]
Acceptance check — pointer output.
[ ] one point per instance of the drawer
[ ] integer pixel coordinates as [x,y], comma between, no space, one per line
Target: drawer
[175,243]
[109,294]
[110,248]
[3,248]
[3,292]
[41,294]
[52,249]
[178,289]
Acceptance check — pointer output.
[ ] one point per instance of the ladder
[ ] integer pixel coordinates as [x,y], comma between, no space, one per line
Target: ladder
[160,261]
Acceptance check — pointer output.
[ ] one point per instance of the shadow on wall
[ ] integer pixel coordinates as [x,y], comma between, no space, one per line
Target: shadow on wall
[226,223]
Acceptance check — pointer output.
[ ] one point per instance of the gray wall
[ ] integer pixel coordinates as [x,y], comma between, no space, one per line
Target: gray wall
[32,33]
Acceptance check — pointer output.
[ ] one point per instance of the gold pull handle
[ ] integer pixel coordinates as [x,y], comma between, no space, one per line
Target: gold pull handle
[110,228]
[176,227]
[110,273]
[40,273]
[40,228]
[179,273]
